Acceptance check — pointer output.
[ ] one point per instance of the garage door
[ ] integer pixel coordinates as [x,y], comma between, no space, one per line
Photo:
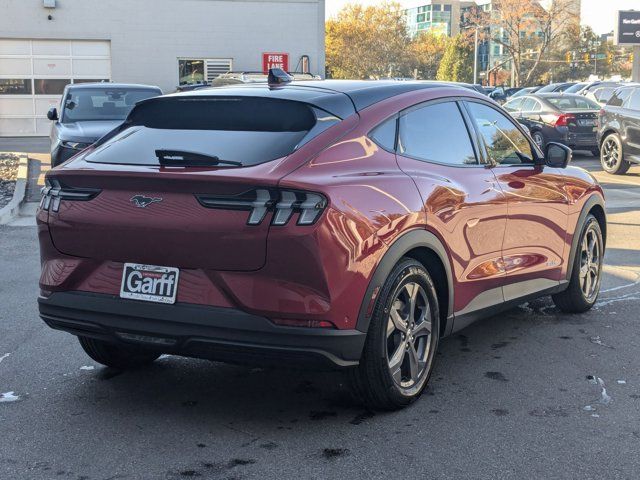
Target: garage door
[33,74]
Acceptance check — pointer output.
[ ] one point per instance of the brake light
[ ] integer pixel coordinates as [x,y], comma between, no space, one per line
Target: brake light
[564,120]
[284,203]
[53,192]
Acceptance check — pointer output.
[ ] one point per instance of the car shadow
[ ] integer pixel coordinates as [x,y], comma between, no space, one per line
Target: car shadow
[178,389]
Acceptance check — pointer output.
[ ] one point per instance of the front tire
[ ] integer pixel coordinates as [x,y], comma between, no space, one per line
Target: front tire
[400,348]
[121,357]
[584,285]
[612,155]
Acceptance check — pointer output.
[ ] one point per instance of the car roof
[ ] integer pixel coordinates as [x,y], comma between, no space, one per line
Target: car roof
[340,97]
[110,85]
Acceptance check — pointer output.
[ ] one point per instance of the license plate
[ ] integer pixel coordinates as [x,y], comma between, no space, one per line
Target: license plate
[587,123]
[150,283]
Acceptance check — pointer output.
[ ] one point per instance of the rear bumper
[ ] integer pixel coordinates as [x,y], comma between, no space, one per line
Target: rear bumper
[216,333]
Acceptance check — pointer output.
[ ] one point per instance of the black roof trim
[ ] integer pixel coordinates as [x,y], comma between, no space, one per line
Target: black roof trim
[340,97]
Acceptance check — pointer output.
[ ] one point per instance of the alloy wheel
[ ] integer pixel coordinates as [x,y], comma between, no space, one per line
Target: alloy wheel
[409,328]
[610,153]
[590,264]
[537,137]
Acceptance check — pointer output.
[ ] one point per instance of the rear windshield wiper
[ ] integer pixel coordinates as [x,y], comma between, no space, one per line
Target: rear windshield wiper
[181,158]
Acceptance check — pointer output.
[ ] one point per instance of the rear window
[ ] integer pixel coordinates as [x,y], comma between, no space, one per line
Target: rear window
[572,103]
[244,130]
[94,104]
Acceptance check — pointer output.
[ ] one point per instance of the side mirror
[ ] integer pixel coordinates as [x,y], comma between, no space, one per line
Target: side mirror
[52,114]
[557,155]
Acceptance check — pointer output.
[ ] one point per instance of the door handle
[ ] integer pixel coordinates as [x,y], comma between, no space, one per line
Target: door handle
[516,184]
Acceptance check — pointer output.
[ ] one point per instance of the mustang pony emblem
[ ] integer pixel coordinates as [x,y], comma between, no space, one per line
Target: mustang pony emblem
[141,201]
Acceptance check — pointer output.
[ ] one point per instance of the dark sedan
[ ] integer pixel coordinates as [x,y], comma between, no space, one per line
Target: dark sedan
[556,87]
[619,130]
[565,118]
[88,111]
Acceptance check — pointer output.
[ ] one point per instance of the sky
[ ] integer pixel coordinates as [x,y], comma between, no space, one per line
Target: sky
[598,14]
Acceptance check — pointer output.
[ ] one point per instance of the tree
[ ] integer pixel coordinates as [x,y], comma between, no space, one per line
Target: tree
[367,42]
[526,30]
[427,50]
[457,61]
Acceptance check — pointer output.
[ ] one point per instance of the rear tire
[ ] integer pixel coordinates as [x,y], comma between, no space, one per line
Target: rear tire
[399,351]
[538,137]
[112,355]
[612,155]
[582,292]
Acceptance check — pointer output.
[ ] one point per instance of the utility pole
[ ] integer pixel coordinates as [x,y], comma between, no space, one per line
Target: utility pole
[475,59]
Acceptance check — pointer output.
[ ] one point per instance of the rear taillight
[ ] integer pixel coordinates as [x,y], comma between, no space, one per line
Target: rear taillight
[564,120]
[283,204]
[53,192]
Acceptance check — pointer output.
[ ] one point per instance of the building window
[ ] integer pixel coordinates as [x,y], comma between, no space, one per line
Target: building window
[447,8]
[420,18]
[15,86]
[50,86]
[190,71]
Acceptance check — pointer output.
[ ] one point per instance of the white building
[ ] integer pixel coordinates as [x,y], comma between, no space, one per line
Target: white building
[46,44]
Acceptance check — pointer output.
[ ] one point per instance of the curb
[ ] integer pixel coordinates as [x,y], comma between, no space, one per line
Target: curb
[10,211]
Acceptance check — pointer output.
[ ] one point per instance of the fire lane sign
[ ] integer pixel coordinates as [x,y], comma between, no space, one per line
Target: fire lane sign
[275,60]
[628,27]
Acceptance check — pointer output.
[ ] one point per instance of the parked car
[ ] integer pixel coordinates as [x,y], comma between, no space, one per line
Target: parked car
[577,87]
[619,130]
[88,111]
[587,87]
[188,87]
[235,78]
[556,87]
[565,118]
[601,94]
[348,224]
[502,94]
[525,91]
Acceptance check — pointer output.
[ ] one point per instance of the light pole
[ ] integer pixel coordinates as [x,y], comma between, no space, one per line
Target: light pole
[475,50]
[475,59]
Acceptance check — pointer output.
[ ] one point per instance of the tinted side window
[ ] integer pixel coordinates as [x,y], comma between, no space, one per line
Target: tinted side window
[536,107]
[385,134]
[619,97]
[634,102]
[501,137]
[436,133]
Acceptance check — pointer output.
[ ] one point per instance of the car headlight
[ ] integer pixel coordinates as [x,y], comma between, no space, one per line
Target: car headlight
[74,145]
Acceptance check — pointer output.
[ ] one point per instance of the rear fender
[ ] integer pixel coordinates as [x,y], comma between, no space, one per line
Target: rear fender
[407,242]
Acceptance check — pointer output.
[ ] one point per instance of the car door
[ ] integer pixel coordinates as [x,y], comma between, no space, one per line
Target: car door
[631,125]
[463,203]
[534,242]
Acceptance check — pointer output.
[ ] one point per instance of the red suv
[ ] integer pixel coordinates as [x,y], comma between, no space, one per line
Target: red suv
[348,224]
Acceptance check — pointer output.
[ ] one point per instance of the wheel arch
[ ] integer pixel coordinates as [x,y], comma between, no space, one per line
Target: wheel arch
[425,247]
[594,205]
[606,133]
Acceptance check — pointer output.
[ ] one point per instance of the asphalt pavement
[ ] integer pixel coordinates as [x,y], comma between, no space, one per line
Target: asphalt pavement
[531,393]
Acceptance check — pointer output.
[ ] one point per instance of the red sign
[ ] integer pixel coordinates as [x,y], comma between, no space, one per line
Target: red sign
[275,60]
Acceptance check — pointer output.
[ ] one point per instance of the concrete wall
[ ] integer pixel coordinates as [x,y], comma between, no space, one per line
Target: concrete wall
[148,36]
